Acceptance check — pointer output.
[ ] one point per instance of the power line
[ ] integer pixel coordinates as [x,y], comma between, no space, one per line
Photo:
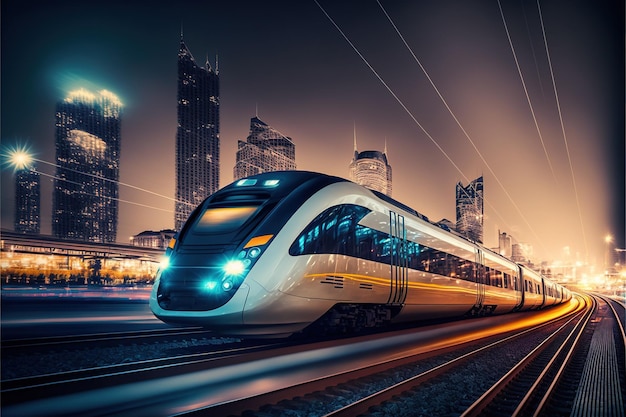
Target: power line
[532,111]
[443,100]
[113,181]
[391,91]
[558,105]
[420,126]
[99,196]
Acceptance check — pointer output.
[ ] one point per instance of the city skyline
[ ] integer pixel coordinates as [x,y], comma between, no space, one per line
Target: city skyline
[315,86]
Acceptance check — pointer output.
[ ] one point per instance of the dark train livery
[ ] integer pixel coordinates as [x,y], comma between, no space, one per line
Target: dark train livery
[276,253]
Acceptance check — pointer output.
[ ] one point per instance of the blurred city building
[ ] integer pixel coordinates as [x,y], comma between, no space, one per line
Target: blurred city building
[470,210]
[152,239]
[198,134]
[265,150]
[27,201]
[46,260]
[86,191]
[521,252]
[371,169]
[504,244]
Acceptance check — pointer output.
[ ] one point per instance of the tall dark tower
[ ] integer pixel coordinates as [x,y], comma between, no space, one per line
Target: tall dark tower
[86,190]
[470,209]
[198,134]
[27,201]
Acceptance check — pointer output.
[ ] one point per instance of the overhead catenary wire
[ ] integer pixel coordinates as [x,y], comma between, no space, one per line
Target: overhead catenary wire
[423,129]
[114,181]
[530,104]
[558,106]
[391,91]
[445,103]
[100,196]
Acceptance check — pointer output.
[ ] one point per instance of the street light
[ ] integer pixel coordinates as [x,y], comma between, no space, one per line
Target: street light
[19,157]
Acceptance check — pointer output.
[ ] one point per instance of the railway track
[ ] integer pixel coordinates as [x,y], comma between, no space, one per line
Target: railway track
[359,391]
[547,381]
[41,343]
[226,381]
[19,390]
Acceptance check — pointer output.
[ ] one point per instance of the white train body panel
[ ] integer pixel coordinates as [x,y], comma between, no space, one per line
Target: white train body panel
[414,271]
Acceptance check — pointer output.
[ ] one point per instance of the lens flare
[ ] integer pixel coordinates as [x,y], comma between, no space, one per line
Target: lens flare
[235,267]
[18,156]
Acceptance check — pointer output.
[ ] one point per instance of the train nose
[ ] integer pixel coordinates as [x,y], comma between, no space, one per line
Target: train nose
[194,289]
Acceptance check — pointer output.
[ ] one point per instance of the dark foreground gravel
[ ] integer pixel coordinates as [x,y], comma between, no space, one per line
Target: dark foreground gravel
[21,365]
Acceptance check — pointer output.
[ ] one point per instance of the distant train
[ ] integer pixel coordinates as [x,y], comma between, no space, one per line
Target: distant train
[284,252]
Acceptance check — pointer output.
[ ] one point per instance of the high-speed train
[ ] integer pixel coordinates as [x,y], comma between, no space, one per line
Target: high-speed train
[285,252]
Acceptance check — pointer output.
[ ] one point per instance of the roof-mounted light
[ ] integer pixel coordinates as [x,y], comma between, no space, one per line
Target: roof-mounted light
[246,182]
[271,183]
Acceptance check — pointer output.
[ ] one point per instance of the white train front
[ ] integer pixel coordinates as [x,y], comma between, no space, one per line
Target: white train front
[283,252]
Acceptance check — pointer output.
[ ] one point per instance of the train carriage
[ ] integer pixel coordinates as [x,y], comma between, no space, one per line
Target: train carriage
[277,253]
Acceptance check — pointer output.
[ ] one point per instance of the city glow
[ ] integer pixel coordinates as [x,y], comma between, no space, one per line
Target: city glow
[83,95]
[111,97]
[80,95]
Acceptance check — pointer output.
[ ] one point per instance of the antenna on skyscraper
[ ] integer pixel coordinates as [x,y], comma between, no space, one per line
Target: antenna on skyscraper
[355,149]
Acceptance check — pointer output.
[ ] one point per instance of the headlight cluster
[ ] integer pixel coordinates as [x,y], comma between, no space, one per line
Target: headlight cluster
[236,269]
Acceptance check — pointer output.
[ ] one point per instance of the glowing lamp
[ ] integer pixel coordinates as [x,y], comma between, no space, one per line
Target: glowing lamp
[165,262]
[235,267]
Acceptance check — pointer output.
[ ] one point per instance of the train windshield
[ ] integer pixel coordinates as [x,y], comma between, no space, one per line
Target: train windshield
[218,220]
[223,219]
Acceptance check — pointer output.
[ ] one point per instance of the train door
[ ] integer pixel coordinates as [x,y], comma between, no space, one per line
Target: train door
[518,288]
[398,259]
[481,276]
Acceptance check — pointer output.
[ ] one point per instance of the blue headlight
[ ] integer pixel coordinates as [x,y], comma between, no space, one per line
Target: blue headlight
[165,262]
[210,285]
[234,268]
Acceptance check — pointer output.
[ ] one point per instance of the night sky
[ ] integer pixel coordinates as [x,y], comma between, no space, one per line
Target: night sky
[287,61]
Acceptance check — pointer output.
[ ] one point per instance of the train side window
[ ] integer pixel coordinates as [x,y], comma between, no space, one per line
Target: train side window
[332,231]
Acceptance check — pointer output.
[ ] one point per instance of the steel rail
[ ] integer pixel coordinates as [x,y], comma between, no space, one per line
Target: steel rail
[98,337]
[481,403]
[611,303]
[364,404]
[27,387]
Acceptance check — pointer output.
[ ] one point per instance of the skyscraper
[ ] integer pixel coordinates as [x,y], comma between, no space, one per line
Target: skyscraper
[86,190]
[470,210]
[27,201]
[371,169]
[265,150]
[198,134]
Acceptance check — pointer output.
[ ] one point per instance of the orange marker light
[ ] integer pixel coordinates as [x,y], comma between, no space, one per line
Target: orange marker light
[258,241]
